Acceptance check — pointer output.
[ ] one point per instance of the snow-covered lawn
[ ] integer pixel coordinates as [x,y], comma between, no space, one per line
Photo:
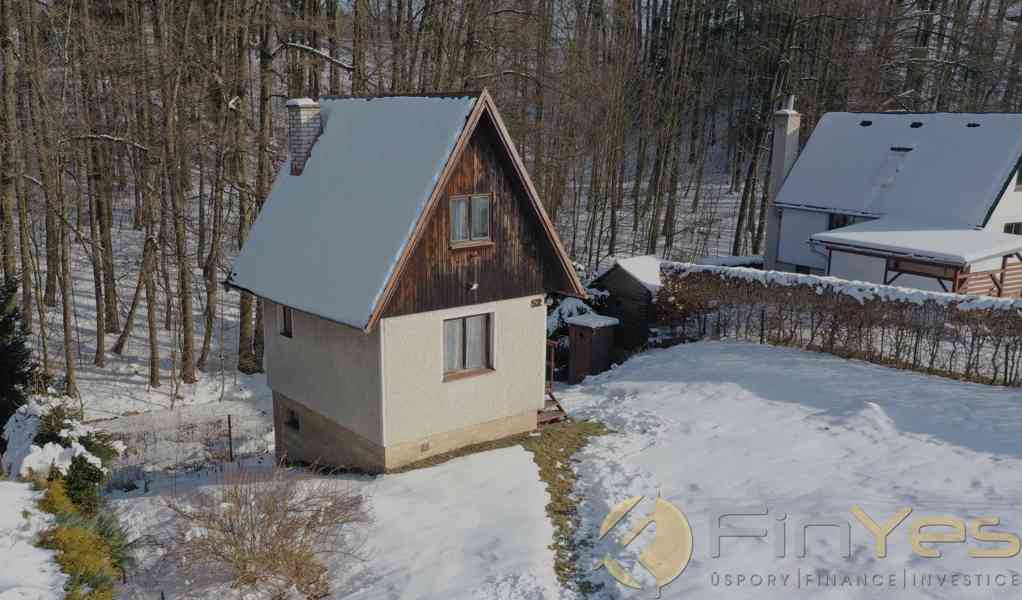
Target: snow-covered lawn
[473,528]
[26,572]
[714,426]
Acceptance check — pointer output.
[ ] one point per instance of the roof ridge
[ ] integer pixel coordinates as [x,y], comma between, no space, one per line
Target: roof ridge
[451,94]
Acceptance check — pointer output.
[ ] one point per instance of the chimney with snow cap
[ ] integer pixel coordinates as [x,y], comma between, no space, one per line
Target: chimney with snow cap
[303,127]
[787,123]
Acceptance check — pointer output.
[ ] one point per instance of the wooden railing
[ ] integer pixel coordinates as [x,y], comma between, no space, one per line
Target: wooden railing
[1003,283]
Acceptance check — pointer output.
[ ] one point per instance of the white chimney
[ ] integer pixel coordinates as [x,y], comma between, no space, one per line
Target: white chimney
[782,156]
[303,127]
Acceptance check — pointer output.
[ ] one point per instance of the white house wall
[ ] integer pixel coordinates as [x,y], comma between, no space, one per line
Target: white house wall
[858,267]
[1009,210]
[330,368]
[796,227]
[418,403]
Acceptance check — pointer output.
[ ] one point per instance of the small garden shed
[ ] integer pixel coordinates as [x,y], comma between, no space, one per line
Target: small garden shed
[633,284]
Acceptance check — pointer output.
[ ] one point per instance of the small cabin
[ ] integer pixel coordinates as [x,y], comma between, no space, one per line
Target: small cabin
[402,260]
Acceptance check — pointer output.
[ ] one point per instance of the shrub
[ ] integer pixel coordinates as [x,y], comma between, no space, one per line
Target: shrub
[267,530]
[83,555]
[55,500]
[83,481]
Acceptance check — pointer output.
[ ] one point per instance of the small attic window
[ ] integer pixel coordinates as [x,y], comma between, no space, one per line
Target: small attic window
[470,219]
[971,125]
[865,123]
[916,124]
[1018,180]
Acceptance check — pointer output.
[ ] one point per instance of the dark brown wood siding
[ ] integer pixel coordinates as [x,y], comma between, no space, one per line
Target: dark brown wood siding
[631,303]
[520,262]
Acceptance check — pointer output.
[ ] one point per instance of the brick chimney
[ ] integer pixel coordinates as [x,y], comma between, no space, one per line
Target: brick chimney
[782,156]
[303,127]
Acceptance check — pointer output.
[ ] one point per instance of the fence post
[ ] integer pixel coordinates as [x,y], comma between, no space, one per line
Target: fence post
[230,440]
[762,325]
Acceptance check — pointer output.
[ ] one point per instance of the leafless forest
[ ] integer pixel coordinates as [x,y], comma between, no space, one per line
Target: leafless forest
[161,121]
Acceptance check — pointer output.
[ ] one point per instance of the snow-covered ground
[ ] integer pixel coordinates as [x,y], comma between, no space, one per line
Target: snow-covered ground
[26,572]
[472,528]
[716,426]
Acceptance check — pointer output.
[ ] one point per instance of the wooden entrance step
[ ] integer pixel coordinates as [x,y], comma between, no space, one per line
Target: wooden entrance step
[552,412]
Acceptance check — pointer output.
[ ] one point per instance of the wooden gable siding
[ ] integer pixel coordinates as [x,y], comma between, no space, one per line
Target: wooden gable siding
[631,303]
[520,262]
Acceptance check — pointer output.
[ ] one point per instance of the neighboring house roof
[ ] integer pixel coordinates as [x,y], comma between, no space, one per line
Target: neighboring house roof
[333,240]
[643,269]
[955,246]
[940,169]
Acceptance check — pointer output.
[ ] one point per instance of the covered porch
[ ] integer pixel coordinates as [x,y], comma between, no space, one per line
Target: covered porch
[963,261]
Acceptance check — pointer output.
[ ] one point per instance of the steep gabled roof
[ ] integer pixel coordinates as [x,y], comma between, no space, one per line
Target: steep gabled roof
[333,241]
[942,169]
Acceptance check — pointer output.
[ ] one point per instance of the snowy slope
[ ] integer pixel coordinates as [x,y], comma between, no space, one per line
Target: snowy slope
[471,528]
[26,572]
[714,425]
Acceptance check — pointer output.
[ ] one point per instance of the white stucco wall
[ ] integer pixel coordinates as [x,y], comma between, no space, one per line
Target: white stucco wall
[793,244]
[418,403]
[332,369]
[856,267]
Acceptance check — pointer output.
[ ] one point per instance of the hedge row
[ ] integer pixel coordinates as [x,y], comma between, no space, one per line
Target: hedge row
[973,338]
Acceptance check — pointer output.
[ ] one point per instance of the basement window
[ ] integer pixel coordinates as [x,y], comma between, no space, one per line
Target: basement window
[467,346]
[287,324]
[292,420]
[470,218]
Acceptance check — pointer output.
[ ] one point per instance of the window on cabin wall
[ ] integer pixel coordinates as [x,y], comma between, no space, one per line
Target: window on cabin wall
[470,218]
[1018,180]
[287,326]
[467,344]
[1013,228]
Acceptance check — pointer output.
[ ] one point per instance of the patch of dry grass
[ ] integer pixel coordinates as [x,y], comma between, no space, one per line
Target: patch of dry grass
[554,450]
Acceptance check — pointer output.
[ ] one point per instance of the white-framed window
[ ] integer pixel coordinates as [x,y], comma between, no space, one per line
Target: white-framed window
[467,344]
[287,324]
[470,218]
[1013,228]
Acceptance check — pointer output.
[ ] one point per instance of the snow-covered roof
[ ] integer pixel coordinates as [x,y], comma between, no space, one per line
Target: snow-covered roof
[327,241]
[644,269]
[944,169]
[592,321]
[947,245]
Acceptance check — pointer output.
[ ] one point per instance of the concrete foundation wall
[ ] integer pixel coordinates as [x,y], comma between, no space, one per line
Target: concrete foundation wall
[332,369]
[418,404]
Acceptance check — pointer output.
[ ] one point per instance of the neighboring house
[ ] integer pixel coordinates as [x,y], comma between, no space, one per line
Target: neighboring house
[402,261]
[632,284]
[928,201]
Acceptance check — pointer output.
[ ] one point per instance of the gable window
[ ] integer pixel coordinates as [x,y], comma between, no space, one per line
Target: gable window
[1018,180]
[470,218]
[287,325]
[466,345]
[1013,228]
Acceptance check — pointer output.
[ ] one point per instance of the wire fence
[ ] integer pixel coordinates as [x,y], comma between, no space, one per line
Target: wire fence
[156,450]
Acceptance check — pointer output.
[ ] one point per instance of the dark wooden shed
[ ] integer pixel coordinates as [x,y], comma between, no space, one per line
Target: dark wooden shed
[591,339]
[632,284]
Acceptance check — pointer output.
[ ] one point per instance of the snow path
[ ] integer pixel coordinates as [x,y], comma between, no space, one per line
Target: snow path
[471,528]
[715,425]
[27,572]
